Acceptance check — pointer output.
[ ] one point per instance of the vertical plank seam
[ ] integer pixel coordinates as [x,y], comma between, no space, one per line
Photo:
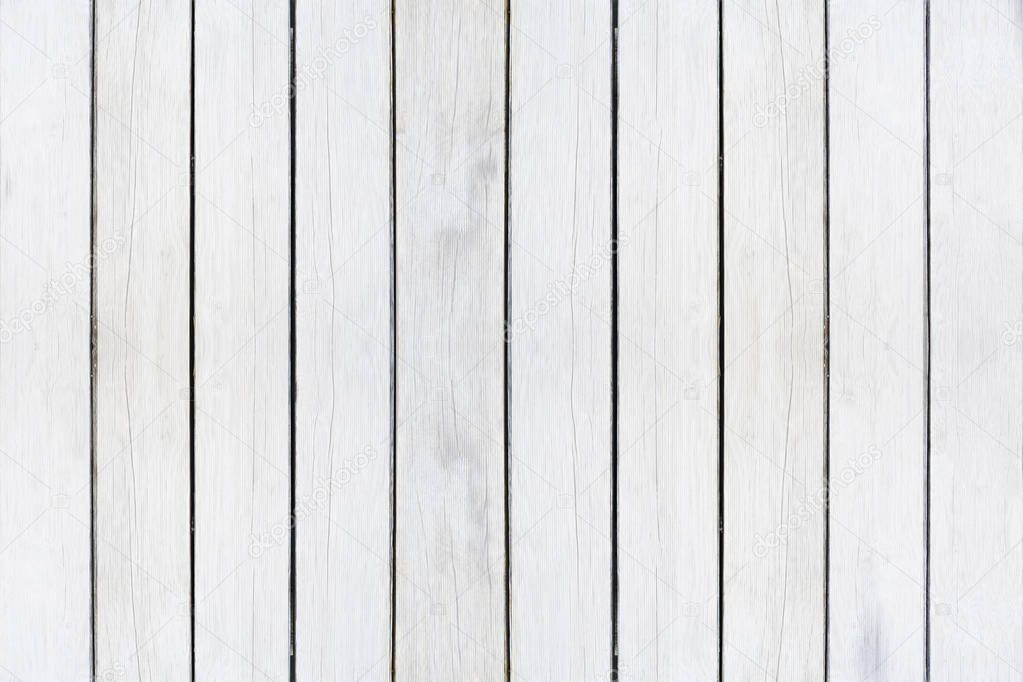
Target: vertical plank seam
[191,342]
[721,343]
[506,331]
[92,347]
[394,345]
[614,340]
[827,340]
[927,340]
[292,346]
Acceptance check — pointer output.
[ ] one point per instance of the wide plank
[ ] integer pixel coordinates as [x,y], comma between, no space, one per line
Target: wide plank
[344,367]
[45,273]
[242,333]
[976,520]
[559,339]
[774,392]
[877,358]
[449,234]
[668,340]
[142,478]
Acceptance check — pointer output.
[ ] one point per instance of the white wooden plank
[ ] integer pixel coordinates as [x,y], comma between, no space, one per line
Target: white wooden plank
[45,100]
[877,357]
[560,339]
[242,334]
[977,370]
[343,289]
[774,340]
[142,326]
[668,340]
[450,596]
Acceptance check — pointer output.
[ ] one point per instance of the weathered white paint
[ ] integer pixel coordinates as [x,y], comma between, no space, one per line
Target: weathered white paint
[45,99]
[668,341]
[774,340]
[343,289]
[560,339]
[142,337]
[789,250]
[977,371]
[242,331]
[877,355]
[450,601]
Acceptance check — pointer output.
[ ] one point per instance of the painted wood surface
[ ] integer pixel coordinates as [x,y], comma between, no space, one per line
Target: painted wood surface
[559,338]
[142,392]
[668,340]
[877,330]
[45,272]
[976,174]
[242,333]
[344,355]
[376,393]
[774,285]
[449,311]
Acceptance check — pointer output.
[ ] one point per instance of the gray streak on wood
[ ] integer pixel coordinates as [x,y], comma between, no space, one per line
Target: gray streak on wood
[450,592]
[878,348]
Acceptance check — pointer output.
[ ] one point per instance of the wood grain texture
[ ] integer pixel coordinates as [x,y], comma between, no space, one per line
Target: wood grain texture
[465,322]
[977,371]
[668,340]
[774,340]
[242,332]
[877,355]
[344,373]
[45,99]
[142,327]
[560,339]
[450,601]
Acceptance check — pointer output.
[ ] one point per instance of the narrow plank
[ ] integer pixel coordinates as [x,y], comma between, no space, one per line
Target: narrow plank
[774,340]
[450,93]
[668,340]
[977,371]
[343,290]
[560,339]
[877,357]
[142,329]
[242,330]
[45,267]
